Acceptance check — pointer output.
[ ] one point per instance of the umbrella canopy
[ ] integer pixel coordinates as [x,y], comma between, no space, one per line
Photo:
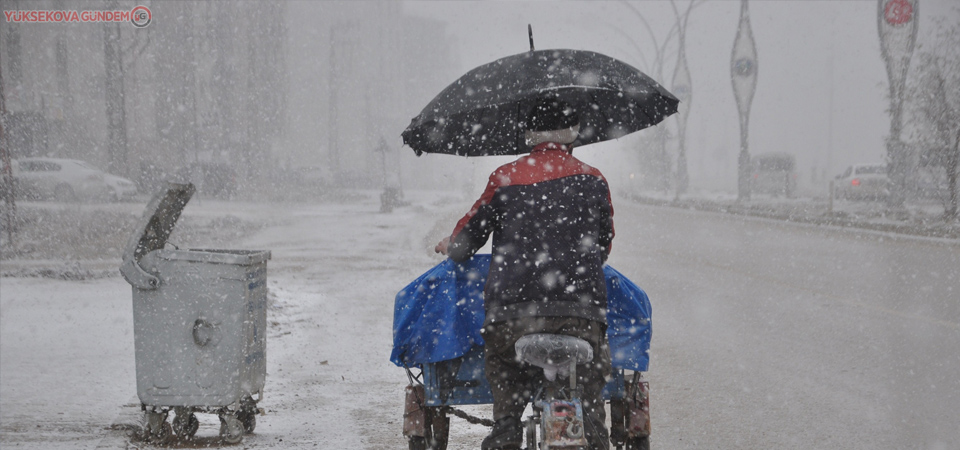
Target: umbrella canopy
[483,112]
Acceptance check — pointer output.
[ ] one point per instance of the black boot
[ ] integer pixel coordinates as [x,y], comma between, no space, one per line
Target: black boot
[507,434]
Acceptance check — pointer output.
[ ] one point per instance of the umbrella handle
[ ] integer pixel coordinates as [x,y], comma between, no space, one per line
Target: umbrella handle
[530,33]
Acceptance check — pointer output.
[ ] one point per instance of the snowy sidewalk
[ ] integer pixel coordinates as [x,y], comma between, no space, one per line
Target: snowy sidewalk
[917,218]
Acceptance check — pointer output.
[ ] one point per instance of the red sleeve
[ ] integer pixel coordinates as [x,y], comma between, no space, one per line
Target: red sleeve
[485,198]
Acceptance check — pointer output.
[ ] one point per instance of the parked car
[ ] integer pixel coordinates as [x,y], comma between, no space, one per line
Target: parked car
[68,179]
[863,181]
[774,174]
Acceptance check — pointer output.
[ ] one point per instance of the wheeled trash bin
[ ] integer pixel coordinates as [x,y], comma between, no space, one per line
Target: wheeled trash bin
[199,321]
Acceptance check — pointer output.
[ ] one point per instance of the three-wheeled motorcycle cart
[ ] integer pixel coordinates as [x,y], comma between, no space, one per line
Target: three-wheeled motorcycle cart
[437,319]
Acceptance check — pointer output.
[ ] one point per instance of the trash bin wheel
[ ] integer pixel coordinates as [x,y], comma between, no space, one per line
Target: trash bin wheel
[185,426]
[248,414]
[159,434]
[156,429]
[162,435]
[249,420]
[231,429]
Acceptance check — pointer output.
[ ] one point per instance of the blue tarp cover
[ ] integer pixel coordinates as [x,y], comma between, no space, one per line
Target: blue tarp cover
[439,315]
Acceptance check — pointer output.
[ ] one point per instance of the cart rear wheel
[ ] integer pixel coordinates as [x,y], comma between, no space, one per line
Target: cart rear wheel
[531,433]
[638,443]
[440,429]
[417,443]
[618,412]
[437,430]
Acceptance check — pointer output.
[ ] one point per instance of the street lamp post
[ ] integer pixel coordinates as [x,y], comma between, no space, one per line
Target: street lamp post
[656,69]
[683,89]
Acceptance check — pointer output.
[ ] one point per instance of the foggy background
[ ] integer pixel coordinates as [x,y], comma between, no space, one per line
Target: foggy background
[278,91]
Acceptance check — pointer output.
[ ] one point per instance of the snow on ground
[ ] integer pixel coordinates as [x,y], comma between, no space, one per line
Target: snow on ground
[66,360]
[67,374]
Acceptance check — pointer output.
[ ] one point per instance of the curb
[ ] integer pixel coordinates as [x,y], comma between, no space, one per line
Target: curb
[814,216]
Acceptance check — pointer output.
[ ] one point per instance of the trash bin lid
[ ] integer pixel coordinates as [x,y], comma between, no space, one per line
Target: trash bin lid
[158,220]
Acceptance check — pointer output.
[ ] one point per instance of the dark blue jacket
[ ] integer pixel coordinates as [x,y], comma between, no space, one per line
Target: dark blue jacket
[552,224]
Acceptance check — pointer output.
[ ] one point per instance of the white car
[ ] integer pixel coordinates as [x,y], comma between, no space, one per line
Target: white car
[68,179]
[863,181]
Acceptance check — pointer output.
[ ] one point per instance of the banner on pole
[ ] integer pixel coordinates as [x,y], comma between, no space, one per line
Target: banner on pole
[743,73]
[897,24]
[743,64]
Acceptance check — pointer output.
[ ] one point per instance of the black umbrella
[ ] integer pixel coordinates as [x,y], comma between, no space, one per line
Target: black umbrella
[482,112]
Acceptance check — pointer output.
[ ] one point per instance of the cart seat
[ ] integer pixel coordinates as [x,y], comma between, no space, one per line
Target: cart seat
[554,353]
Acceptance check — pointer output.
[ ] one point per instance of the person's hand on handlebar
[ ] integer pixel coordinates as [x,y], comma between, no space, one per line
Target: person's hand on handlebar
[442,246]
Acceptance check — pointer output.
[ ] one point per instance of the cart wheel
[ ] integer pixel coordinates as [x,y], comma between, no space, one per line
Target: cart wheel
[185,426]
[417,442]
[638,443]
[531,433]
[440,429]
[231,430]
[618,434]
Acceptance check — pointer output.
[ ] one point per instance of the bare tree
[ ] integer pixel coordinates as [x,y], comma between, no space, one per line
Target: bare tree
[935,105]
[114,95]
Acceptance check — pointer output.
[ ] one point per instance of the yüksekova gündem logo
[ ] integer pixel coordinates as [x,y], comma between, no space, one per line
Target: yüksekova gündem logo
[139,16]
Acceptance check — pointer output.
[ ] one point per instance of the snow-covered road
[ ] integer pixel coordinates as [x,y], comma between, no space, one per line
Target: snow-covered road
[773,335]
[767,335]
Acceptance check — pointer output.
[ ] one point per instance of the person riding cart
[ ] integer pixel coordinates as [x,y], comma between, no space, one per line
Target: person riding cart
[552,223]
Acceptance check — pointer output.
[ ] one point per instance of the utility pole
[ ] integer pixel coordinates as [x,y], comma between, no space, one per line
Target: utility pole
[662,163]
[681,76]
[683,89]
